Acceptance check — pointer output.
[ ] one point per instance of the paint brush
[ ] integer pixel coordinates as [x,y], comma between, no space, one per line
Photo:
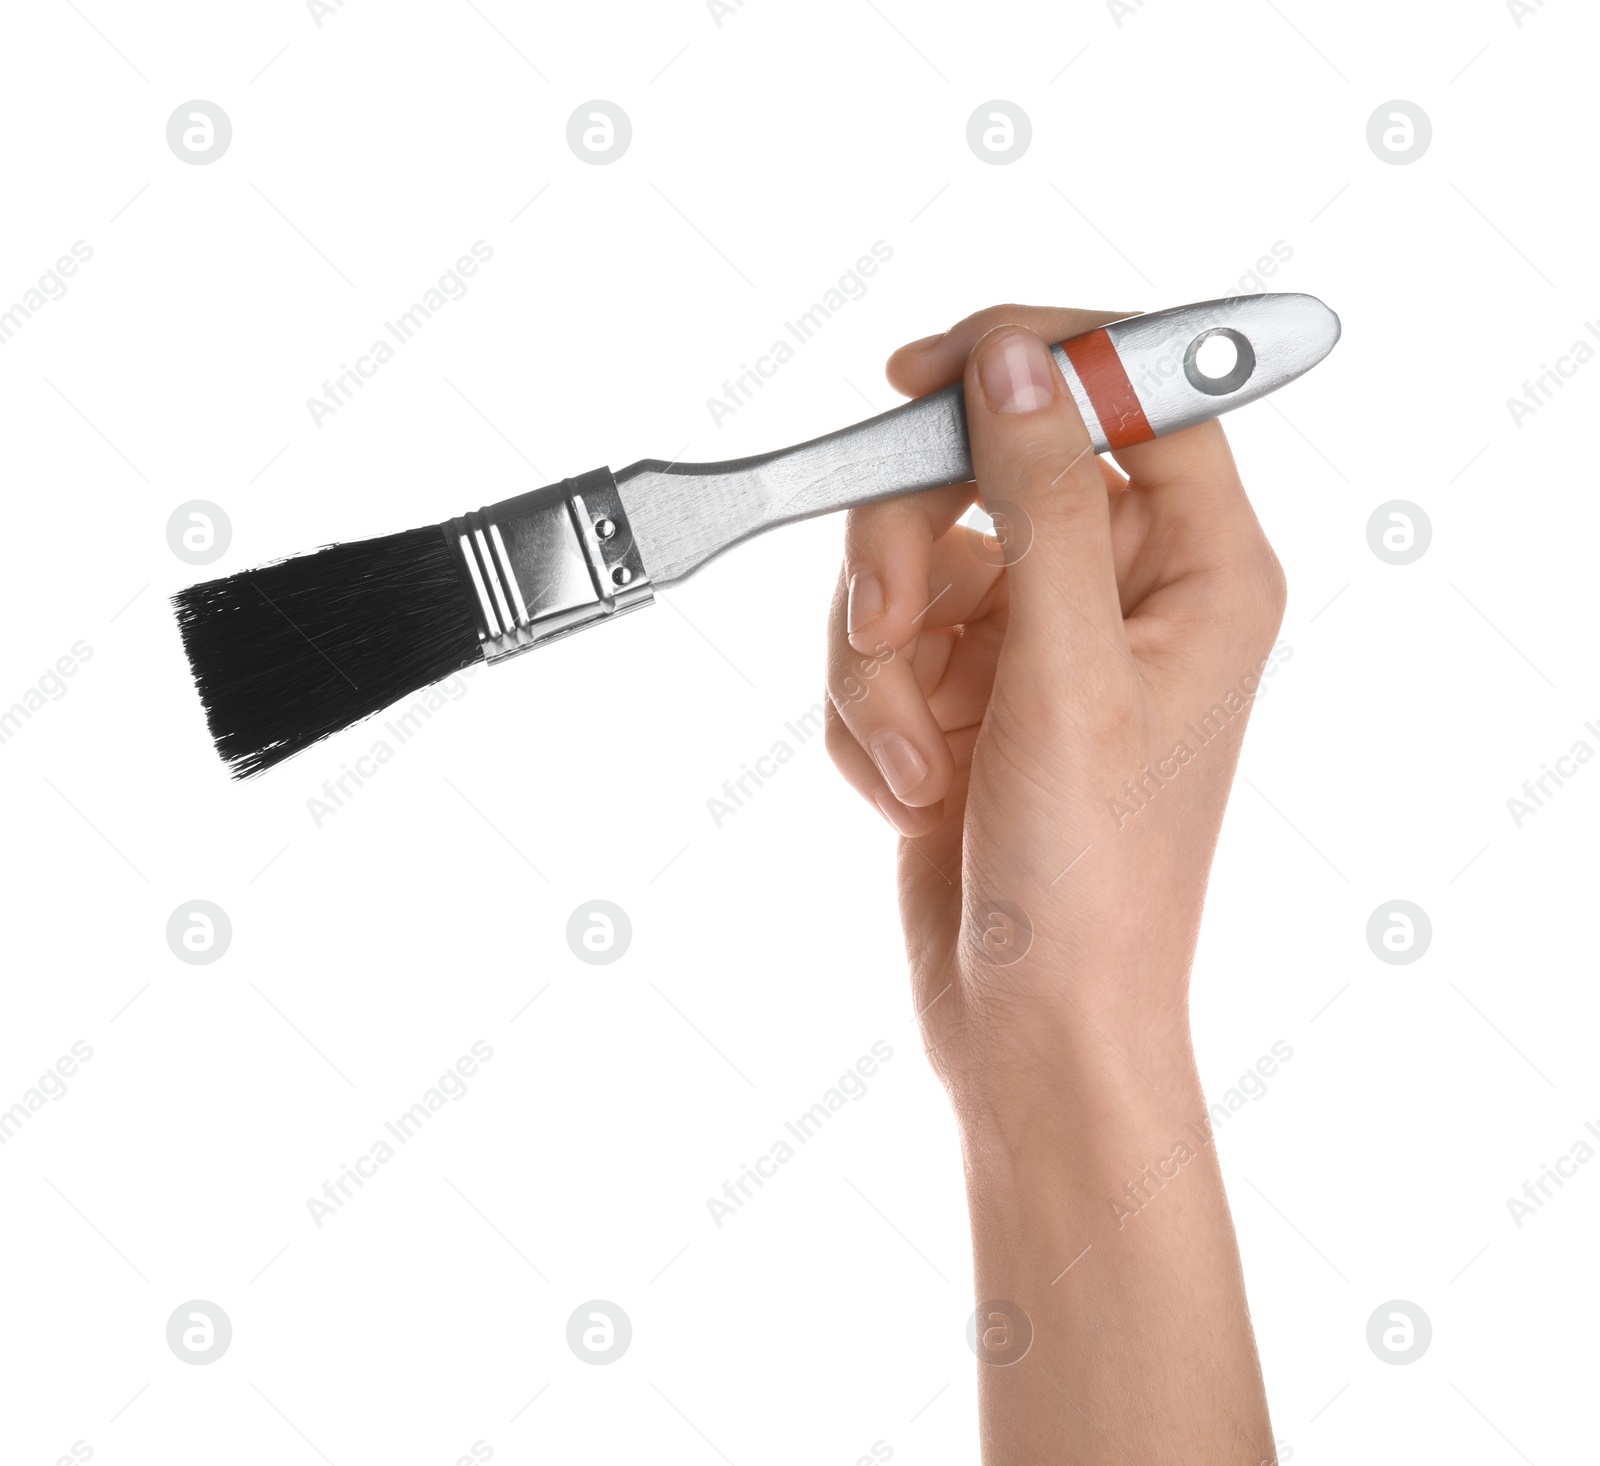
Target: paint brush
[290,653]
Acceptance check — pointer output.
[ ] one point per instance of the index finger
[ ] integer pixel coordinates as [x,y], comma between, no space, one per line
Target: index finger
[936,361]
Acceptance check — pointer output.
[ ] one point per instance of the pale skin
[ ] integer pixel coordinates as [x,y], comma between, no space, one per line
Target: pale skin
[995,705]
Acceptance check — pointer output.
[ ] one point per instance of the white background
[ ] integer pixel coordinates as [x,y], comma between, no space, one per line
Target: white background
[1169,153]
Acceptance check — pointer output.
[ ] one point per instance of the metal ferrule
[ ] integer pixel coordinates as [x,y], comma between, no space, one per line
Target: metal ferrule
[548,562]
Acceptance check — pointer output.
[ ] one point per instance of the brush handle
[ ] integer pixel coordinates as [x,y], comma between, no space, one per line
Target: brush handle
[563,557]
[1133,380]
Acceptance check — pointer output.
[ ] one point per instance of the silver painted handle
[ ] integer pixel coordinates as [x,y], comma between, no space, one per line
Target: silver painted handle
[1132,380]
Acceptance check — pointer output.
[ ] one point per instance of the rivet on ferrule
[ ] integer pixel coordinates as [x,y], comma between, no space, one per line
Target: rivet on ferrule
[548,563]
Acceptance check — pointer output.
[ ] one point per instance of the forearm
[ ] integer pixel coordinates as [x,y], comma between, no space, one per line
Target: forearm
[1098,1209]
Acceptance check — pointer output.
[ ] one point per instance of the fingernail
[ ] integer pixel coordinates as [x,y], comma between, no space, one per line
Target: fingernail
[1016,372]
[866,601]
[904,820]
[898,760]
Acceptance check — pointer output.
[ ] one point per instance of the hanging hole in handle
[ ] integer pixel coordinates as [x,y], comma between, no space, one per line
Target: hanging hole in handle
[1219,361]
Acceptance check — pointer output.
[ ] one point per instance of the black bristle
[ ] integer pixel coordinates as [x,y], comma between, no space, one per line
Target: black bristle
[287,654]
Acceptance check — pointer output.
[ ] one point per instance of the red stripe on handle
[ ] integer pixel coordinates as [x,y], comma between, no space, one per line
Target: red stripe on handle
[1115,402]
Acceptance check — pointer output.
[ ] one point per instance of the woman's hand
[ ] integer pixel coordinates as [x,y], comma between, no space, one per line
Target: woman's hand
[1051,722]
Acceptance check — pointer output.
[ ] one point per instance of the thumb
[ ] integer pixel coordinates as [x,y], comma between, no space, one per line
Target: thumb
[1042,483]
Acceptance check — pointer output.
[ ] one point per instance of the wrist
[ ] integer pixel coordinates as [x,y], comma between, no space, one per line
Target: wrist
[1097,1159]
[1083,1101]
[1049,1049]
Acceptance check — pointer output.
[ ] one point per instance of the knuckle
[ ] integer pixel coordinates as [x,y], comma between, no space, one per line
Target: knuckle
[837,737]
[1053,473]
[851,673]
[1246,592]
[1275,583]
[1266,592]
[985,320]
